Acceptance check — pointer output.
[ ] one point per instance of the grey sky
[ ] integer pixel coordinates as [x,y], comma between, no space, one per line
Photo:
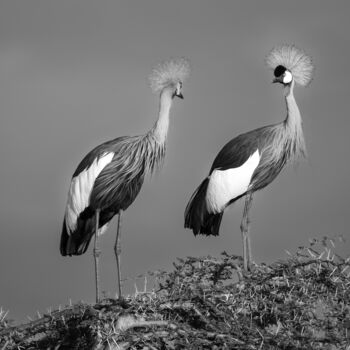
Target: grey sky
[73,75]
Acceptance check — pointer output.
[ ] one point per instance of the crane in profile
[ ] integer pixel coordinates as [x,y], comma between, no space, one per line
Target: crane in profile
[108,179]
[252,160]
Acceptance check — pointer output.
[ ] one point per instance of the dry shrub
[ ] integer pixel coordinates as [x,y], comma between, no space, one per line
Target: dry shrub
[210,303]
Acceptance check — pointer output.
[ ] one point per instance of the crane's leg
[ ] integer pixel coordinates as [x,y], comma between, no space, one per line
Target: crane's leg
[117,251]
[97,253]
[247,252]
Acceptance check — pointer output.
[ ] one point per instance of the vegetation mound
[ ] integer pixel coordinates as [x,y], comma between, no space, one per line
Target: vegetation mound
[302,302]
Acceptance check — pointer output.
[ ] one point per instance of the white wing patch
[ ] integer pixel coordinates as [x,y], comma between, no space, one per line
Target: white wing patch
[225,185]
[80,190]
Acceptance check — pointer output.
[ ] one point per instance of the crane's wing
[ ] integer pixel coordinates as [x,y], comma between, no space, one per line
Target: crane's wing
[84,178]
[232,170]
[237,151]
[81,187]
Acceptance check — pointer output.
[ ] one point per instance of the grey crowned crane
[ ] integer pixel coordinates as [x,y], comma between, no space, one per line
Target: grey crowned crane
[252,160]
[108,179]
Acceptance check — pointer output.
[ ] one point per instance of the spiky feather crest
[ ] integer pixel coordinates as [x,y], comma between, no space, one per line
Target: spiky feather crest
[169,72]
[295,60]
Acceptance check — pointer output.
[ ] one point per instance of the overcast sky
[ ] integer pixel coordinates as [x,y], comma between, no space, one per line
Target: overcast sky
[73,74]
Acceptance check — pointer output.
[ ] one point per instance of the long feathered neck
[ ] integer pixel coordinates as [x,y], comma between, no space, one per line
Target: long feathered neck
[293,125]
[160,128]
[151,146]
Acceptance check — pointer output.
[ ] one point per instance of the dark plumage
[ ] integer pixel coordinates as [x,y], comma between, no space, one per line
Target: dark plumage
[233,155]
[115,188]
[197,216]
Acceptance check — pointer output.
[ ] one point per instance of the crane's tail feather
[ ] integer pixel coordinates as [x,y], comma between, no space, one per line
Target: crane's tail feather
[75,243]
[197,217]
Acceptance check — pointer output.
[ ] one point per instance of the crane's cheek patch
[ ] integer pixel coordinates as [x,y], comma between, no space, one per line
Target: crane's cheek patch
[225,185]
[80,190]
[287,77]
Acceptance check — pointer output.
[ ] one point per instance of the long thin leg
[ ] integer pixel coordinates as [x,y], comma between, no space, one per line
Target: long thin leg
[249,249]
[97,253]
[247,253]
[117,251]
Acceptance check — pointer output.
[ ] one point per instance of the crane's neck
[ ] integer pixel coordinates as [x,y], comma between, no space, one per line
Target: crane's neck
[293,118]
[160,128]
[293,123]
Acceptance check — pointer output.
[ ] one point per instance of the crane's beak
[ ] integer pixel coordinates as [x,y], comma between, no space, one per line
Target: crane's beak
[180,95]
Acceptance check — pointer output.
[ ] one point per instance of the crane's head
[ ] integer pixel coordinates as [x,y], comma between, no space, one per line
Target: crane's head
[290,64]
[169,76]
[282,75]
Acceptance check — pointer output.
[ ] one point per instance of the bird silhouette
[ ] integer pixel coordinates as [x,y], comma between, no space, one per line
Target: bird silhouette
[252,160]
[108,179]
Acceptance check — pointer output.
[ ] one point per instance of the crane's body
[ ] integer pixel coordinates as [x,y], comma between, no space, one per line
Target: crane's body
[250,161]
[109,178]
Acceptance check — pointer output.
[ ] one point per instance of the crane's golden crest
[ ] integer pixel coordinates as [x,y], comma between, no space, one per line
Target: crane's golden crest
[293,59]
[169,72]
